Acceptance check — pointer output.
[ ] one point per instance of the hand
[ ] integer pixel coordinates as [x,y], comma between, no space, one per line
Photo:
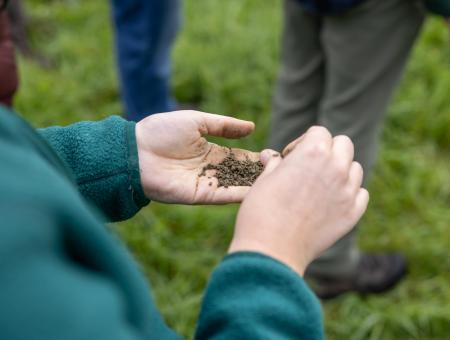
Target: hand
[172,154]
[302,204]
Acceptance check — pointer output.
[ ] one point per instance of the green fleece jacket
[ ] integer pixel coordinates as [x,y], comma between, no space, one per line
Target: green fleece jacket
[64,276]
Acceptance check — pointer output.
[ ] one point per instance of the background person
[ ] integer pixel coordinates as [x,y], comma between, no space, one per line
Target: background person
[341,61]
[145,33]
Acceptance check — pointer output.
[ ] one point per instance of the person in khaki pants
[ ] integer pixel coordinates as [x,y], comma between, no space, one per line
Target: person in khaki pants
[341,61]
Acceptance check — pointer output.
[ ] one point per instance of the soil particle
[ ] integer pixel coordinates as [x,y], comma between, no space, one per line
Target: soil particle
[233,172]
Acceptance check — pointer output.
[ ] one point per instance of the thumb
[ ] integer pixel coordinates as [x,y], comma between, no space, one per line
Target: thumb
[223,126]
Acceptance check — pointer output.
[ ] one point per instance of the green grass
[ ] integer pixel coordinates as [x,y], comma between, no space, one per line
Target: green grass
[227,57]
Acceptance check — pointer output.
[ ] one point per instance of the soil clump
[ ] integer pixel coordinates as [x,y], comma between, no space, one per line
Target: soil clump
[234,172]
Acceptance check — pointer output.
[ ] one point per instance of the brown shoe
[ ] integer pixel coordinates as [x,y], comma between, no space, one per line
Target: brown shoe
[376,274]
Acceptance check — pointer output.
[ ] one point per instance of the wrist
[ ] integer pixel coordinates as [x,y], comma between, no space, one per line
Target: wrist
[139,196]
[281,255]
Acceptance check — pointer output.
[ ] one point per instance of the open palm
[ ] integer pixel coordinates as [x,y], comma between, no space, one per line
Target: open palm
[173,152]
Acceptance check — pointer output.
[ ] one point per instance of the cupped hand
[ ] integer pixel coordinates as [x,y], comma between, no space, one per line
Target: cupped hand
[303,203]
[173,152]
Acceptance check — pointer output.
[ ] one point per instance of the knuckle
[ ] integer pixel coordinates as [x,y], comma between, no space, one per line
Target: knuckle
[346,198]
[318,129]
[340,170]
[344,139]
[366,196]
[356,173]
[358,166]
[359,169]
[354,215]
[317,150]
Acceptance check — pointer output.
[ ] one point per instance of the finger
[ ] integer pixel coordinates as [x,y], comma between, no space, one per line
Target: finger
[267,155]
[224,195]
[243,155]
[361,202]
[343,150]
[291,146]
[223,126]
[270,159]
[316,141]
[209,192]
[356,175]
[217,154]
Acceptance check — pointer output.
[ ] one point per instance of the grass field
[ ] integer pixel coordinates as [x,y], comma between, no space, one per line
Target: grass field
[226,58]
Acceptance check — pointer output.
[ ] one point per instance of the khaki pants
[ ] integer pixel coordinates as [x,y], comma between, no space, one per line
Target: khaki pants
[340,72]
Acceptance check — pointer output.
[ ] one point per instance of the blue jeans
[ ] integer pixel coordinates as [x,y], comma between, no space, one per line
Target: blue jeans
[145,32]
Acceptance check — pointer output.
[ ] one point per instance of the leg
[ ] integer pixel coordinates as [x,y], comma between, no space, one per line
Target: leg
[300,81]
[145,32]
[366,50]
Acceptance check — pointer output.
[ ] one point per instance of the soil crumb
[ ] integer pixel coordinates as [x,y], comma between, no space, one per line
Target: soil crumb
[234,172]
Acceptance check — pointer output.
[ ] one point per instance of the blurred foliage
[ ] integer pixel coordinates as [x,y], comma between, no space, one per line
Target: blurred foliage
[226,58]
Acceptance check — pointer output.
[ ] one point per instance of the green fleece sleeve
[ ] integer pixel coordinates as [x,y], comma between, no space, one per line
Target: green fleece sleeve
[252,296]
[103,158]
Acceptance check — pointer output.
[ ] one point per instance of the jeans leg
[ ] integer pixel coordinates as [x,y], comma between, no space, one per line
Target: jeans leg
[145,33]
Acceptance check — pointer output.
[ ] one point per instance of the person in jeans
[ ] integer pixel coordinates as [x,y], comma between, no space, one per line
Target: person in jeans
[340,64]
[145,33]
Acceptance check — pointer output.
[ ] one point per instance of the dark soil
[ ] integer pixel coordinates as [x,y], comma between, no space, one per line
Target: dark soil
[234,172]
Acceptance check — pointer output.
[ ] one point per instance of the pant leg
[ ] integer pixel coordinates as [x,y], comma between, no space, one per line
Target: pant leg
[145,32]
[366,51]
[300,81]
